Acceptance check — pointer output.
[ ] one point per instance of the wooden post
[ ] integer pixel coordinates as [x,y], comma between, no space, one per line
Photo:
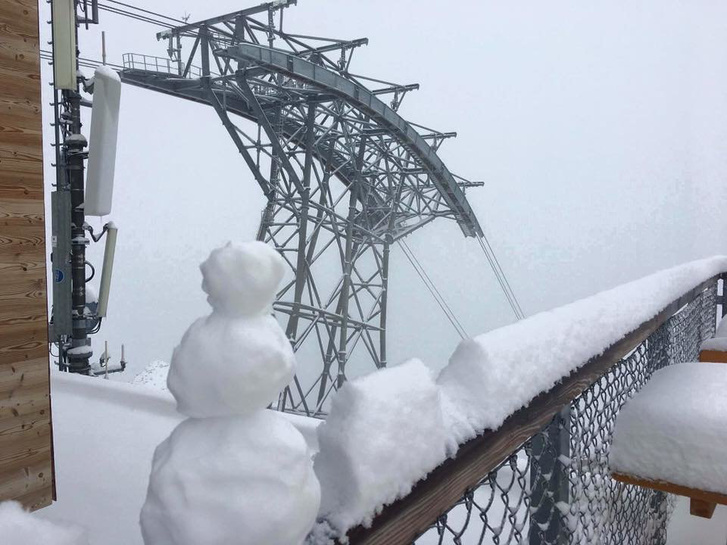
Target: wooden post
[26,470]
[702,508]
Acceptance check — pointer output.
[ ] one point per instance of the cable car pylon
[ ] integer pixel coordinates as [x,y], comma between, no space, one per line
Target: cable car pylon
[344,175]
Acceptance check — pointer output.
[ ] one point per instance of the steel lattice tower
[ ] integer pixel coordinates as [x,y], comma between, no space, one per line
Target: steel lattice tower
[345,176]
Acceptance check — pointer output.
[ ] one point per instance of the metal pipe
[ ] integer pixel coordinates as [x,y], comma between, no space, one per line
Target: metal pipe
[75,144]
[108,268]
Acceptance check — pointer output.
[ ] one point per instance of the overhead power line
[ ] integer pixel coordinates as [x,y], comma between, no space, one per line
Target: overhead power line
[140,14]
[89,63]
[154,13]
[136,16]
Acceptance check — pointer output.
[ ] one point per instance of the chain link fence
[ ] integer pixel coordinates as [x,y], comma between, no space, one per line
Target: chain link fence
[556,489]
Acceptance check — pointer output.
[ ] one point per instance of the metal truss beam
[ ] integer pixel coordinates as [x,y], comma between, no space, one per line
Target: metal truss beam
[345,176]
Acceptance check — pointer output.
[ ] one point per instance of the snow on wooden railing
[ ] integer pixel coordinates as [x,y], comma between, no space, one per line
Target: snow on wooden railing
[403,448]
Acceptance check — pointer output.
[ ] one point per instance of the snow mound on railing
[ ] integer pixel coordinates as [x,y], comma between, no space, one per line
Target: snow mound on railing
[385,431]
[493,375]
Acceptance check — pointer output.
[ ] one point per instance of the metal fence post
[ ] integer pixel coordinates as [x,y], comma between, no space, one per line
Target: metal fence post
[549,484]
[660,515]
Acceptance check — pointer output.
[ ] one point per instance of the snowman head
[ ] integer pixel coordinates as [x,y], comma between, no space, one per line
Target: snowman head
[241,279]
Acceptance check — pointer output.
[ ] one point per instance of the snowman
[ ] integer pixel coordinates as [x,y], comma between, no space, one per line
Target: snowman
[233,472]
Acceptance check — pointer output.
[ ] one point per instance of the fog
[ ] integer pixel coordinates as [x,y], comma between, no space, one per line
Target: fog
[599,130]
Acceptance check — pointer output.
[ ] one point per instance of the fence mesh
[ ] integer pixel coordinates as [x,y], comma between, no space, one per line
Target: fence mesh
[556,489]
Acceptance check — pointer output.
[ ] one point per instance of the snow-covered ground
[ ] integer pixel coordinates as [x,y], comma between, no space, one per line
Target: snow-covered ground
[417,422]
[619,107]
[105,434]
[19,527]
[154,376]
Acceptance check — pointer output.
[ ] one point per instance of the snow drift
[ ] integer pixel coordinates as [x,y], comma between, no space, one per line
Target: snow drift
[18,527]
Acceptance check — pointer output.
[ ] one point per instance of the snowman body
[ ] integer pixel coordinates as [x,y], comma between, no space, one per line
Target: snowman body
[225,366]
[234,472]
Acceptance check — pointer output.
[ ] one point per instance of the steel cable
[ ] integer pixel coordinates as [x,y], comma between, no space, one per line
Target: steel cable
[436,294]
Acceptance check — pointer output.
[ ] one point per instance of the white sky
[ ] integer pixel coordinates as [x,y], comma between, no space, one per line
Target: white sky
[599,129]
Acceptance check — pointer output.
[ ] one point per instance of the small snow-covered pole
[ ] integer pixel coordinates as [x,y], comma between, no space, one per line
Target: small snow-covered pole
[103,47]
[123,358]
[106,359]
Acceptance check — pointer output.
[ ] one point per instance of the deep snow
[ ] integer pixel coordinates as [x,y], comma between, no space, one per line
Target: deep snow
[105,434]
[118,426]
[18,527]
[493,375]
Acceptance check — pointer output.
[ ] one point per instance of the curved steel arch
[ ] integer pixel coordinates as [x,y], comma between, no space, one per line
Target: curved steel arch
[344,175]
[331,82]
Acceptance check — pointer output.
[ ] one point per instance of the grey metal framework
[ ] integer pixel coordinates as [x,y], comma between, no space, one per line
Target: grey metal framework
[556,489]
[345,176]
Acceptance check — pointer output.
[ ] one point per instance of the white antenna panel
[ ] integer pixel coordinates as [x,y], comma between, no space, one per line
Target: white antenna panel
[102,143]
[64,44]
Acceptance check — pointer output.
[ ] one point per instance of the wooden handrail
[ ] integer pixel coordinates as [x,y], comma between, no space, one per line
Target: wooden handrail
[404,520]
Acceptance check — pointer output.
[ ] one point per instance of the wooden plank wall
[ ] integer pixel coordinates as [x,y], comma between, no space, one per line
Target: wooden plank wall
[26,468]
